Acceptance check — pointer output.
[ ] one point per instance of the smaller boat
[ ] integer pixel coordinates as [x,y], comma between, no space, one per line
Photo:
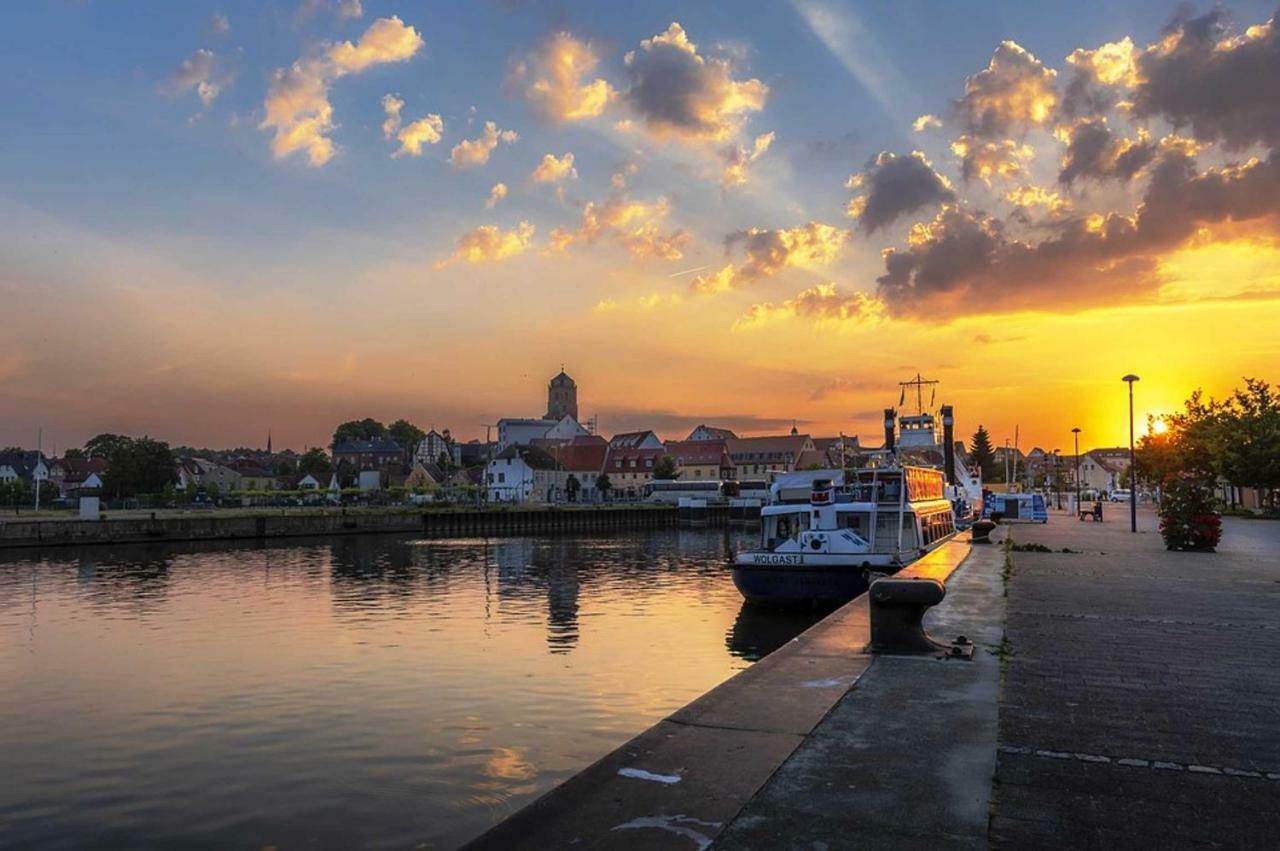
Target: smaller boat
[1015,508]
[829,547]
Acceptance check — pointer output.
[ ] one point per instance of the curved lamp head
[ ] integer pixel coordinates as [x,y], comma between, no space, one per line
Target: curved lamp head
[1130,378]
[1075,430]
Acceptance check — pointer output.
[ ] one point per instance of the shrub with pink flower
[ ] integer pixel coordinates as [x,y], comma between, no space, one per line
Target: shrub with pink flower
[1189,518]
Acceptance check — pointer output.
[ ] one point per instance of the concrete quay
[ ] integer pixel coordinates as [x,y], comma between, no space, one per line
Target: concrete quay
[139,527]
[1121,696]
[678,784]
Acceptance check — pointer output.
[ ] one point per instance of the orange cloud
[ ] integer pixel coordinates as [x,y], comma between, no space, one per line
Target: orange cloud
[553,170]
[737,158]
[297,106]
[635,225]
[475,152]
[554,80]
[769,251]
[823,303]
[489,244]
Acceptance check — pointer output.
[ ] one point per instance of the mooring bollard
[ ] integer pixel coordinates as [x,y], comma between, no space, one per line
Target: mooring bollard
[897,619]
[980,532]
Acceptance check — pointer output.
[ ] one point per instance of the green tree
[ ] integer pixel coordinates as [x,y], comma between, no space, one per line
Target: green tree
[983,455]
[1249,450]
[572,486]
[366,429]
[138,466]
[73,452]
[286,468]
[315,462]
[102,445]
[666,468]
[406,434]
[604,485]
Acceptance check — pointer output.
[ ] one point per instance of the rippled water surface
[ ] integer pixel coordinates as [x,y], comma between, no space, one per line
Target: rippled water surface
[375,692]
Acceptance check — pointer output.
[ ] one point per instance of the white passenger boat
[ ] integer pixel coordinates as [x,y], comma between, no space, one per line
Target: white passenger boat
[827,548]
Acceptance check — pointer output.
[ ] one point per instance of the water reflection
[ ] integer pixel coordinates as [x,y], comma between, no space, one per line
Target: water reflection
[758,630]
[411,691]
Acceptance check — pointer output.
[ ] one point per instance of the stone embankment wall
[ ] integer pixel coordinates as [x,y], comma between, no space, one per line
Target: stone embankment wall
[430,524]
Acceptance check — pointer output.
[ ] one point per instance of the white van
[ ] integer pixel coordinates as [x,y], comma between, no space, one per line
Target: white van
[1121,495]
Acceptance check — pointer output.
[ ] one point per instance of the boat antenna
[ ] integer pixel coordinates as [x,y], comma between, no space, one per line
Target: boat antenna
[919,383]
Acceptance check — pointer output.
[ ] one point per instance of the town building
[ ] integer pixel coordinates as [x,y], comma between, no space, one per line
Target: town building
[28,465]
[524,474]
[562,398]
[431,447]
[203,473]
[73,475]
[630,461]
[369,454]
[701,459]
[755,458]
[513,431]
[583,459]
[706,432]
[1101,469]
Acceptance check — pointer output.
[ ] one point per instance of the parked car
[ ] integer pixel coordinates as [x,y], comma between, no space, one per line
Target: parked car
[1121,495]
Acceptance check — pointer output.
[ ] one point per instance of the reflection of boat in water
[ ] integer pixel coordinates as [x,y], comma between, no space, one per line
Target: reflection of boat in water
[760,630]
[826,548]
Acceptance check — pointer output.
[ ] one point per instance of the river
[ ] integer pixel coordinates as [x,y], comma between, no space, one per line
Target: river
[372,692]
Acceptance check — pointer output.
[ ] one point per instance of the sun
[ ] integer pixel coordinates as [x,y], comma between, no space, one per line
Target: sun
[1159,427]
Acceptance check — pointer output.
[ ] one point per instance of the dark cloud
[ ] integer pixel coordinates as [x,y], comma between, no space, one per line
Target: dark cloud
[1225,88]
[671,424]
[677,92]
[965,262]
[1095,152]
[896,186]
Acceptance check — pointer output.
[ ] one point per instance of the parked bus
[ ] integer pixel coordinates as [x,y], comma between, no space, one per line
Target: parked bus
[669,492]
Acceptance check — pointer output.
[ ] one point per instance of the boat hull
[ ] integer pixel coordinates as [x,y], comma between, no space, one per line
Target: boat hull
[795,584]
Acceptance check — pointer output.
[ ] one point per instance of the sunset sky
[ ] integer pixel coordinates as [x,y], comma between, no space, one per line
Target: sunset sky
[219,219]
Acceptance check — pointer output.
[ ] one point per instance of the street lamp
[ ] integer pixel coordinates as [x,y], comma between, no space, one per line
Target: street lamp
[1133,470]
[1076,431]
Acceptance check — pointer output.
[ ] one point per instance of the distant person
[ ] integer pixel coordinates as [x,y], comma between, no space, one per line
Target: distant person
[1097,510]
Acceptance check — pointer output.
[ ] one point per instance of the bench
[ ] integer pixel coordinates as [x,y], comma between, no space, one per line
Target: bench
[1091,514]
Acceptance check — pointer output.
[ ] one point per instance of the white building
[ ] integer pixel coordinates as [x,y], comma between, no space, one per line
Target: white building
[515,430]
[524,474]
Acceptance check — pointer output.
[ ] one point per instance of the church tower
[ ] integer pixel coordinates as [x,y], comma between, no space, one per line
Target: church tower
[562,397]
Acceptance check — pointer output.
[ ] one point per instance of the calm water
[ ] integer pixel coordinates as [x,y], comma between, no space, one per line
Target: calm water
[373,692]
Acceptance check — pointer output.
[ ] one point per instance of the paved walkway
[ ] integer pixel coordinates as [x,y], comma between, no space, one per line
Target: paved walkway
[1141,701]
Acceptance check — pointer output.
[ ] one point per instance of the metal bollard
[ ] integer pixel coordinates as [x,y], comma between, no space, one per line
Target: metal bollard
[980,532]
[897,619]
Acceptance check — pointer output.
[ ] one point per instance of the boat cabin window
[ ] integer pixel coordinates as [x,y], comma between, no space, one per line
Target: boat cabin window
[778,528]
[886,540]
[858,521]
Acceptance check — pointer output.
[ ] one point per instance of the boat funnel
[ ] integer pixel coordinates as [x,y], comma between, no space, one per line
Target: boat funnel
[889,414]
[823,492]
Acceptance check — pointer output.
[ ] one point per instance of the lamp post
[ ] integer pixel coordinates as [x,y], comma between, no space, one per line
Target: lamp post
[1076,431]
[1133,470]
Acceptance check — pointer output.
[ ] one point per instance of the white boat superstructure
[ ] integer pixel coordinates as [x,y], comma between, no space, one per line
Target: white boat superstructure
[827,546]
